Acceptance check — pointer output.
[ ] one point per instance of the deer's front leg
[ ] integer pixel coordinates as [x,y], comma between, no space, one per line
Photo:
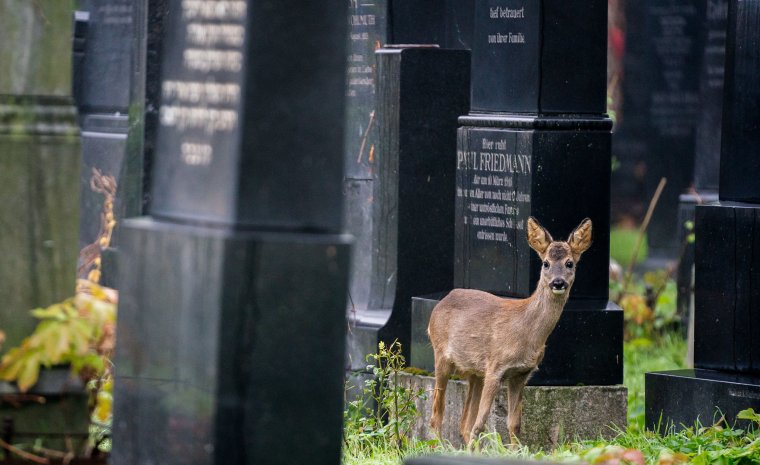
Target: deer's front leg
[491,385]
[516,385]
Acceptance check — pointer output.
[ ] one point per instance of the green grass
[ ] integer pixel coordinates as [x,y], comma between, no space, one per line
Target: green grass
[622,243]
[642,356]
[699,445]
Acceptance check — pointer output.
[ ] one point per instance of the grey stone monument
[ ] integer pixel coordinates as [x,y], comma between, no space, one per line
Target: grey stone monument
[39,162]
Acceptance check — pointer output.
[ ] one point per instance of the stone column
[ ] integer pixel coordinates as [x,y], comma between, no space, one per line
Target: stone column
[39,162]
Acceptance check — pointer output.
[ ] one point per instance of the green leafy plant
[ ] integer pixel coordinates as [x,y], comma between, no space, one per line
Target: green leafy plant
[386,410]
[78,332]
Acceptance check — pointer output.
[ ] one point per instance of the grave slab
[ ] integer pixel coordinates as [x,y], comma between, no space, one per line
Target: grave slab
[682,397]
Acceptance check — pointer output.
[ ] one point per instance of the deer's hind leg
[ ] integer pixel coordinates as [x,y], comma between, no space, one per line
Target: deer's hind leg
[443,369]
[470,411]
[516,385]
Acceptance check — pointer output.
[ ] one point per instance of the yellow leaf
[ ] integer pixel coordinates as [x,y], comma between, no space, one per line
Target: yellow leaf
[29,373]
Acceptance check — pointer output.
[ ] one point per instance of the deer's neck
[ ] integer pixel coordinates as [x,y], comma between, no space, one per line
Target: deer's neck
[543,311]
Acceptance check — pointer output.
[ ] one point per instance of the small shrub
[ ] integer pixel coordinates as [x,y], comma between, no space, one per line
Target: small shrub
[386,411]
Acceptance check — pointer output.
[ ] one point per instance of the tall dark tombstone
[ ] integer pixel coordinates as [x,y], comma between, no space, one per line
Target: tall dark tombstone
[39,162]
[727,256]
[101,89]
[655,134]
[412,192]
[707,144]
[115,68]
[376,176]
[233,292]
[537,135]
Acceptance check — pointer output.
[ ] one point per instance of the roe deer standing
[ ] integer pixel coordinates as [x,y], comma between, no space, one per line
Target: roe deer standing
[487,338]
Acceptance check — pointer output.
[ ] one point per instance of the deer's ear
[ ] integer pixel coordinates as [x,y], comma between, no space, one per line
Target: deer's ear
[538,237]
[580,238]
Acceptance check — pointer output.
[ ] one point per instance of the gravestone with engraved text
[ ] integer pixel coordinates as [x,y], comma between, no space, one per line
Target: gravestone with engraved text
[654,135]
[726,377]
[537,142]
[381,287]
[240,272]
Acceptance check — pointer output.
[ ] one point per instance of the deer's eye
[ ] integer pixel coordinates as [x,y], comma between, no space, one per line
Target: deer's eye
[569,264]
[546,264]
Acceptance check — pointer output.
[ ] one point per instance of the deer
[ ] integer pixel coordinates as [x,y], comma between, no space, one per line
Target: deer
[489,339]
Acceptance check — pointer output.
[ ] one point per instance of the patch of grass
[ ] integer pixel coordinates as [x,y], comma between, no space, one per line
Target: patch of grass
[622,242]
[700,445]
[667,352]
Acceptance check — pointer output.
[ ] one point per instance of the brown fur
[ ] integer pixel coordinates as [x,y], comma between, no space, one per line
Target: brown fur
[488,339]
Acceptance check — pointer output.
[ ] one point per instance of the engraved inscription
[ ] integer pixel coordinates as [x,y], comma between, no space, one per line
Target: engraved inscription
[202,99]
[493,196]
[674,108]
[367,29]
[115,13]
[510,21]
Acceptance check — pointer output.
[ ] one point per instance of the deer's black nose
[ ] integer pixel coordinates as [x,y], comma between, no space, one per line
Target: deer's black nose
[559,284]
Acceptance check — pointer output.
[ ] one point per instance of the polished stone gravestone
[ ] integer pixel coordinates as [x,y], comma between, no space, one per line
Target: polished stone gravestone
[101,88]
[707,146]
[233,293]
[115,63]
[447,24]
[39,162]
[413,191]
[536,142]
[727,257]
[654,136]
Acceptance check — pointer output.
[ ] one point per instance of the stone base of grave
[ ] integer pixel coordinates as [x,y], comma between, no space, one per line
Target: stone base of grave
[229,343]
[586,347]
[551,414]
[681,397]
[53,411]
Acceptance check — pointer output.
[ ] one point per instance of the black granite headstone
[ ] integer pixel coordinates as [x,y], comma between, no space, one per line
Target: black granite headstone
[211,104]
[727,255]
[233,295]
[543,37]
[447,24]
[413,192]
[535,137]
[654,137]
[101,87]
[707,146]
